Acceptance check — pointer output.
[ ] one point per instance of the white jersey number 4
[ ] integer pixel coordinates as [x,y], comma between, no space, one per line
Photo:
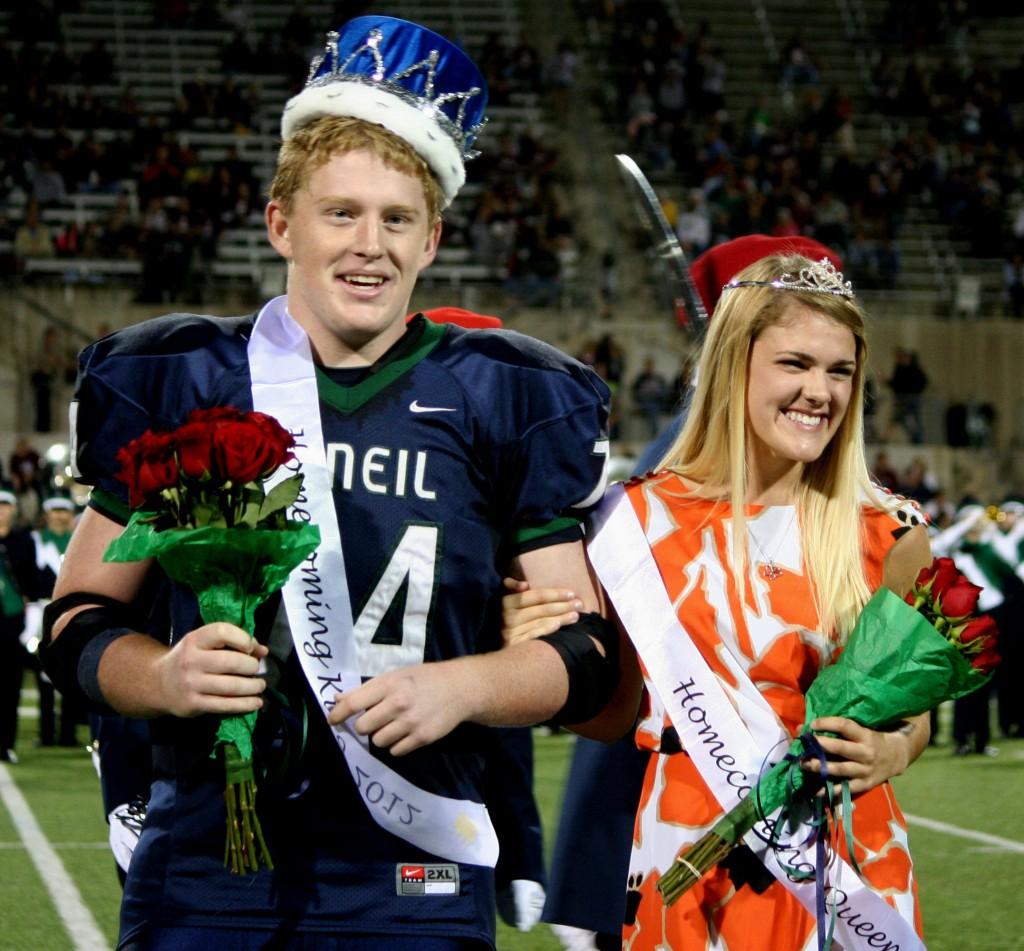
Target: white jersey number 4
[408,584]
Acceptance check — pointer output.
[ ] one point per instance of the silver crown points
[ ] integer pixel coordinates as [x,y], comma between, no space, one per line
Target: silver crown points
[819,277]
[427,102]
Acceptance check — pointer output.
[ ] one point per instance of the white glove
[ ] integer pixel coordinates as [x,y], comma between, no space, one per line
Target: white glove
[575,939]
[126,823]
[521,903]
[33,631]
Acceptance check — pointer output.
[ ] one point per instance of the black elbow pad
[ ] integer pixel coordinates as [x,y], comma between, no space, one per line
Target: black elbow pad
[71,660]
[593,676]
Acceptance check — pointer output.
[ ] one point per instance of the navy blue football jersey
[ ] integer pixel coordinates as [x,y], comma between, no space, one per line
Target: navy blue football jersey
[456,451]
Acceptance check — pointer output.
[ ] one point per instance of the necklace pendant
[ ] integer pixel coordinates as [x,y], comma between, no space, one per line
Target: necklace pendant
[770,570]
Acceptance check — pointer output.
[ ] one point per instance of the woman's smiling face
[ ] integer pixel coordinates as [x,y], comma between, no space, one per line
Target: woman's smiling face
[799,382]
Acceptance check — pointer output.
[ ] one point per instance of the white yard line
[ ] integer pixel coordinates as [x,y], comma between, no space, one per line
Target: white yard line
[75,846]
[1008,845]
[78,920]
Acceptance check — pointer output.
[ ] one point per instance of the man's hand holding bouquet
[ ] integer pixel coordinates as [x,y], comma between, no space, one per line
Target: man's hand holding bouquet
[202,510]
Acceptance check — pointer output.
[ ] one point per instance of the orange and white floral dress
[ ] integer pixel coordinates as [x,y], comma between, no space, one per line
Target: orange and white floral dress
[771,635]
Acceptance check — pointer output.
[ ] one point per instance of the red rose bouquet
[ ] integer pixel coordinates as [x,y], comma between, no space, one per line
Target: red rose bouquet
[902,659]
[202,510]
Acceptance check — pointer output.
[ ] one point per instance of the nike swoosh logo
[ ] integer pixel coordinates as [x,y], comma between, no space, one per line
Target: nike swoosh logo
[415,407]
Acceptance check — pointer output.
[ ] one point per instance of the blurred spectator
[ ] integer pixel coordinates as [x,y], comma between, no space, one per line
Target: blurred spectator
[650,393]
[671,92]
[47,183]
[680,383]
[48,366]
[608,284]
[33,239]
[759,121]
[883,472]
[525,69]
[609,362]
[800,68]
[889,264]
[232,106]
[25,466]
[831,220]
[970,423]
[908,382]
[640,114]
[89,168]
[560,77]
[693,226]
[785,226]
[1013,281]
[120,233]
[200,97]
[17,566]
[152,239]
[534,270]
[918,482]
[940,509]
[712,90]
[161,176]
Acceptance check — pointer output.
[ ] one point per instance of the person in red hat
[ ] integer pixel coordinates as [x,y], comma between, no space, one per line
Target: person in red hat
[603,784]
[776,418]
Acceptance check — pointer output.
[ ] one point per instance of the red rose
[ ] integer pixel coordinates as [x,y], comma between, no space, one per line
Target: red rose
[195,449]
[275,433]
[148,464]
[942,572]
[959,599]
[980,627]
[243,451]
[987,658]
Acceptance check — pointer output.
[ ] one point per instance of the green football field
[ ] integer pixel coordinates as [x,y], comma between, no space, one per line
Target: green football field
[965,830]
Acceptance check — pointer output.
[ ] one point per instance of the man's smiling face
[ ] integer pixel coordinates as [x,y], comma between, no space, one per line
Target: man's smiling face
[356,237]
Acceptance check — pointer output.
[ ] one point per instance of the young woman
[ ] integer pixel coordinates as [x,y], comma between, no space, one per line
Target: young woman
[768,538]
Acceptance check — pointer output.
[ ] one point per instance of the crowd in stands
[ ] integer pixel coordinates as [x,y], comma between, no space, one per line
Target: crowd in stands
[769,170]
[74,126]
[766,171]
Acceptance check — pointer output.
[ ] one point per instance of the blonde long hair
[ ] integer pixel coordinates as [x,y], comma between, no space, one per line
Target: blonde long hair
[711,450]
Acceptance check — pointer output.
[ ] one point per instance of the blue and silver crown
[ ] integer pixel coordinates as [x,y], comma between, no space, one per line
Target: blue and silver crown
[404,77]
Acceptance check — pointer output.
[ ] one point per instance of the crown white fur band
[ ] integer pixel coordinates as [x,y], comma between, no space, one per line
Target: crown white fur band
[376,104]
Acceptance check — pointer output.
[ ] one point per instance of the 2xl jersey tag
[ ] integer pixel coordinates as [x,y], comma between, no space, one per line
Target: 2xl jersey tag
[427,879]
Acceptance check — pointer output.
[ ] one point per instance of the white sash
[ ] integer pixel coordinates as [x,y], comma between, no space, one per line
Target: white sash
[316,601]
[712,732]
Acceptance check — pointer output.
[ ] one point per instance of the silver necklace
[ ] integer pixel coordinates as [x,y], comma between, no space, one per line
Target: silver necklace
[768,569]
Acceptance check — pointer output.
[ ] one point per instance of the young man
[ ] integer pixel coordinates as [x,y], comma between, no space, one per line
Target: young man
[432,457]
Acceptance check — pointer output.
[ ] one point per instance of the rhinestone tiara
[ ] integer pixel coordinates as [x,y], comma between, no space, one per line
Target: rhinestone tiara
[819,277]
